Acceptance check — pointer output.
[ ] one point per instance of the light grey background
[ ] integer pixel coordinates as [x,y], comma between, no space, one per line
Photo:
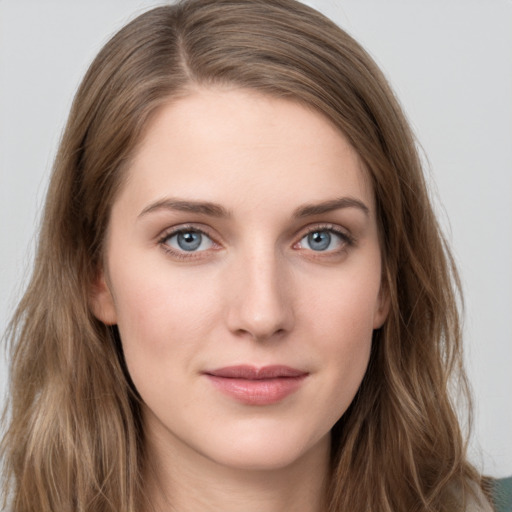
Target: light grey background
[450,62]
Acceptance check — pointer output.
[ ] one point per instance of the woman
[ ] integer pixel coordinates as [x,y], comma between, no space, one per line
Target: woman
[241,298]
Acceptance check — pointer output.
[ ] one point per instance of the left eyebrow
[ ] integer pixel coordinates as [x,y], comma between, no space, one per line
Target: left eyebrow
[309,210]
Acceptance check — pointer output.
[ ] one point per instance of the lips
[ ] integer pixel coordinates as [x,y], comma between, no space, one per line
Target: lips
[257,386]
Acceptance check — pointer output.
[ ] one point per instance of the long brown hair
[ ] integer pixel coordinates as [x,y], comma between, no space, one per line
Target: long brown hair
[74,440]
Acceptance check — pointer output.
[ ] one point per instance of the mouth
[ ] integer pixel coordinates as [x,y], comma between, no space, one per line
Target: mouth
[257,386]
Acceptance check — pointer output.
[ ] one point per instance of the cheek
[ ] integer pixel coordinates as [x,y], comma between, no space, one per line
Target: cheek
[161,311]
[163,320]
[346,365]
[342,319]
[344,304]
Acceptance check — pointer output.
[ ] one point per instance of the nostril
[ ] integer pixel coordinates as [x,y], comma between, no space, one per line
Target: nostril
[260,335]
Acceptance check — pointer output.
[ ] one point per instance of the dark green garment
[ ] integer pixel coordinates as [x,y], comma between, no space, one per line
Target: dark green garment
[502,494]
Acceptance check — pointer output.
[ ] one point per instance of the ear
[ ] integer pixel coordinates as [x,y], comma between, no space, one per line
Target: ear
[101,301]
[382,306]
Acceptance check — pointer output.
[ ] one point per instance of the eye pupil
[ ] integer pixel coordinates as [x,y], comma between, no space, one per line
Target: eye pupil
[319,240]
[189,240]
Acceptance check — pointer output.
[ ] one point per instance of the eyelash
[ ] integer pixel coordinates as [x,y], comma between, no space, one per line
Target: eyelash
[347,240]
[183,255]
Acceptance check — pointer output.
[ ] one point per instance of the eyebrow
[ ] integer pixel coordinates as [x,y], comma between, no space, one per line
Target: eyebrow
[216,210]
[309,210]
[202,207]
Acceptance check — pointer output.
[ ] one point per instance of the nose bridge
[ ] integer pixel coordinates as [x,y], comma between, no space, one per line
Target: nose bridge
[261,305]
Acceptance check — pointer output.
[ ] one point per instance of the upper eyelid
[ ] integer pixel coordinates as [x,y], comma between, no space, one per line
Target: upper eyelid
[324,227]
[180,228]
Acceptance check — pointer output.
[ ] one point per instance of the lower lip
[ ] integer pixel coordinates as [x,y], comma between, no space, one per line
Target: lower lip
[258,392]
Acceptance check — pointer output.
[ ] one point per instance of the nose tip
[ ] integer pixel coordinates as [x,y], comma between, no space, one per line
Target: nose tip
[262,307]
[260,326]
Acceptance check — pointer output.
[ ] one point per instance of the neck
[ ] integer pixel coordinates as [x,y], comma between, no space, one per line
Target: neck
[178,481]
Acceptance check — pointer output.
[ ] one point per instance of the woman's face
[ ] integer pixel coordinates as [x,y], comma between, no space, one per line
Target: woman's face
[243,270]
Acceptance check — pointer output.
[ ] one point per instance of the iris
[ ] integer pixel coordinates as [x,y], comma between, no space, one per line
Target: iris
[319,240]
[189,240]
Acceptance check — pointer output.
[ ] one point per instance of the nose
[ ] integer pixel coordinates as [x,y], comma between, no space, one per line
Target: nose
[261,303]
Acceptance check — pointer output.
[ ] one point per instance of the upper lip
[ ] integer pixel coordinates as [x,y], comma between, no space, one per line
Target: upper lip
[254,373]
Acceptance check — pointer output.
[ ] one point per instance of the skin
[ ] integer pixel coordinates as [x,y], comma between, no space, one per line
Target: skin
[256,291]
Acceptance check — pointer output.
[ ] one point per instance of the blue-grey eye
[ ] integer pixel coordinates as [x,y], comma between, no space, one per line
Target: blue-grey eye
[321,240]
[189,241]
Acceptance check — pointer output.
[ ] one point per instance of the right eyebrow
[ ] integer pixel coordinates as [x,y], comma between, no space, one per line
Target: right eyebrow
[201,207]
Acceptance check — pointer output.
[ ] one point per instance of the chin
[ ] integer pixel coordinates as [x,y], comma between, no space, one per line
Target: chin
[264,451]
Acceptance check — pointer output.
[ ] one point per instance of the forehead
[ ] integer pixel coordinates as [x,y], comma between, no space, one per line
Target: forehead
[237,145]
